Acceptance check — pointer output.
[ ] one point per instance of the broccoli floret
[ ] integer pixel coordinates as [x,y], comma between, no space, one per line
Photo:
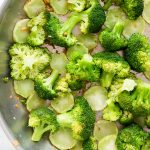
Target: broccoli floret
[111,65]
[42,120]
[131,138]
[148,121]
[133,8]
[27,62]
[112,112]
[126,118]
[113,40]
[84,69]
[92,18]
[138,53]
[37,36]
[90,144]
[80,119]
[136,101]
[61,33]
[44,86]
[77,5]
[122,84]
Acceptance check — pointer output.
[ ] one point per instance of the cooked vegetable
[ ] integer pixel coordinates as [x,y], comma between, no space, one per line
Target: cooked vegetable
[131,137]
[63,103]
[96,97]
[21,31]
[24,88]
[42,120]
[112,40]
[63,139]
[78,146]
[80,119]
[26,62]
[34,7]
[104,128]
[133,9]
[119,67]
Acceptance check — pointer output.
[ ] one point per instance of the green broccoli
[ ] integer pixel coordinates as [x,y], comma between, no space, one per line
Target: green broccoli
[77,5]
[44,86]
[84,69]
[131,138]
[126,118]
[113,40]
[90,144]
[42,120]
[146,146]
[61,33]
[37,36]
[112,112]
[148,121]
[138,53]
[27,62]
[133,8]
[136,101]
[111,65]
[80,119]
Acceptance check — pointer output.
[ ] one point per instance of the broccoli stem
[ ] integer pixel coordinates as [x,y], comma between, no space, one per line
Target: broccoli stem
[106,79]
[118,29]
[70,23]
[65,120]
[52,78]
[37,134]
[107,4]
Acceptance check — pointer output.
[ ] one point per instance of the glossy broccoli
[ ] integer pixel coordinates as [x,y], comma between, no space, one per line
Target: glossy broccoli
[133,8]
[112,40]
[112,112]
[92,18]
[84,69]
[27,62]
[126,118]
[42,120]
[148,121]
[138,53]
[37,36]
[131,138]
[60,33]
[80,119]
[136,101]
[44,86]
[77,5]
[111,65]
[90,144]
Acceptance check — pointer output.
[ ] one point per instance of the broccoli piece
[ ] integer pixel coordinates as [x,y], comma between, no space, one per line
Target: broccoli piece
[37,36]
[26,61]
[42,120]
[84,69]
[112,112]
[61,33]
[146,146]
[80,119]
[44,86]
[122,84]
[126,118]
[111,65]
[113,40]
[131,138]
[77,5]
[132,8]
[92,18]
[138,53]
[90,144]
[136,101]
[148,121]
